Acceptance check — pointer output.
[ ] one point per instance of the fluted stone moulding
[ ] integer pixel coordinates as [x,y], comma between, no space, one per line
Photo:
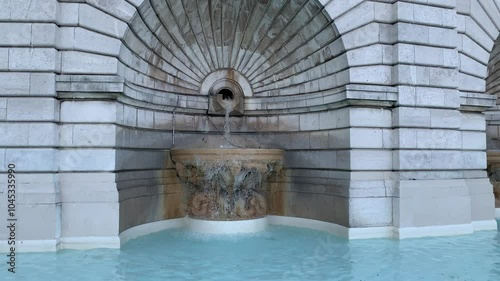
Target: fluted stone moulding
[268,48]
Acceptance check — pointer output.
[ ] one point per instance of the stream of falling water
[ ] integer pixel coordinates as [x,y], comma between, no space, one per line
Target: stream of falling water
[228,106]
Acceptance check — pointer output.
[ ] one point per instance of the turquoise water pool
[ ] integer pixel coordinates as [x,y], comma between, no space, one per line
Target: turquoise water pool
[279,253]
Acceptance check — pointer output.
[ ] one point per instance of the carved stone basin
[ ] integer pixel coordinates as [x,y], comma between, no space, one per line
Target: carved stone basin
[226,184]
[493,158]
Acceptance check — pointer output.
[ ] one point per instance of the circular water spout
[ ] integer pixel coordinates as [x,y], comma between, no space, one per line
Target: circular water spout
[226,93]
[226,85]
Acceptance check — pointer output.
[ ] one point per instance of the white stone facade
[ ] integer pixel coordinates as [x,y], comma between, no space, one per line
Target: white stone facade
[378,104]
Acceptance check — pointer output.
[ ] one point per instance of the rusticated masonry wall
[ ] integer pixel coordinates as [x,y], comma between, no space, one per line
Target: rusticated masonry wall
[29,114]
[378,105]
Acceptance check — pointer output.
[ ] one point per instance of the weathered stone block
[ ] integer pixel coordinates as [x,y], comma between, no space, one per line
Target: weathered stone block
[412,33]
[339,138]
[120,9]
[363,36]
[94,19]
[328,119]
[145,118]
[65,135]
[335,9]
[471,83]
[80,212]
[288,123]
[471,66]
[367,188]
[429,15]
[477,33]
[88,111]
[43,134]
[365,138]
[34,10]
[79,62]
[412,117]
[437,97]
[371,159]
[32,109]
[43,35]
[14,83]
[365,212]
[369,117]
[32,160]
[94,135]
[412,160]
[404,11]
[366,55]
[380,74]
[438,139]
[433,211]
[65,38]
[309,122]
[39,59]
[4,59]
[140,160]
[405,138]
[5,11]
[97,43]
[42,84]
[429,55]
[163,120]
[129,115]
[358,16]
[443,37]
[14,134]
[404,53]
[87,160]
[474,140]
[472,121]
[83,187]
[442,118]
[311,159]
[446,160]
[15,34]
[474,160]
[325,204]
[67,13]
[318,140]
[46,227]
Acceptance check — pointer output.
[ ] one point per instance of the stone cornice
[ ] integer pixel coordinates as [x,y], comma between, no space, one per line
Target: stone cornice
[94,87]
[360,95]
[476,101]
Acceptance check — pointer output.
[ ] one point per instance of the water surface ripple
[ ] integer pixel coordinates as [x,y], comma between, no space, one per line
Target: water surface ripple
[280,253]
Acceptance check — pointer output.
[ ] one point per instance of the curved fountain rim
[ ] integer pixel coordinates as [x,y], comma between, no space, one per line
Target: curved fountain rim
[219,154]
[231,150]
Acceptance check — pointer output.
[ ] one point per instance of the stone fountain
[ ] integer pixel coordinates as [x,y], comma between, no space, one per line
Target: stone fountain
[226,185]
